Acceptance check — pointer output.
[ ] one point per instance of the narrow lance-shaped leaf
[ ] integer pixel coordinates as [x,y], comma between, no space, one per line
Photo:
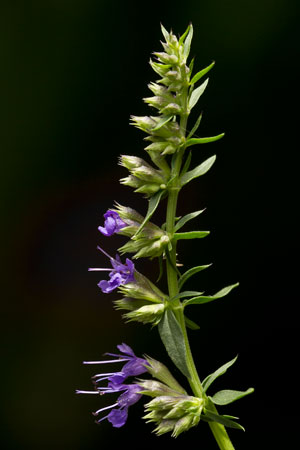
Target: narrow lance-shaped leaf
[223,420]
[206,140]
[191,324]
[201,73]
[228,396]
[173,339]
[153,204]
[189,273]
[209,298]
[196,94]
[213,376]
[186,163]
[198,171]
[163,120]
[195,127]
[190,235]
[187,43]
[186,218]
[164,32]
[183,36]
[186,294]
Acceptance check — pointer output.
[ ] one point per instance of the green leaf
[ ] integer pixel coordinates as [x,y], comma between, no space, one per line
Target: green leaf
[173,339]
[209,298]
[186,294]
[188,41]
[228,396]
[205,140]
[191,66]
[190,235]
[196,94]
[163,120]
[186,164]
[186,218]
[224,420]
[198,171]
[182,38]
[164,32]
[191,324]
[213,376]
[195,127]
[153,204]
[201,73]
[190,273]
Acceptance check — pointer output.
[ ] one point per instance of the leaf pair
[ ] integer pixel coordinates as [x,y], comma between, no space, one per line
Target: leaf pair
[223,397]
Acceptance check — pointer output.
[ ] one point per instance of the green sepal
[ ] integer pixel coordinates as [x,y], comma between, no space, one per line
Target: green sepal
[195,141]
[223,420]
[198,171]
[190,273]
[213,376]
[195,127]
[153,204]
[191,324]
[201,73]
[229,396]
[209,298]
[163,120]
[196,94]
[173,339]
[186,218]
[190,235]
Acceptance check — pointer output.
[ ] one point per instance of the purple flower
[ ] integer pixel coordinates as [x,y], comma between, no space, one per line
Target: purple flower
[129,392]
[112,224]
[118,275]
[134,366]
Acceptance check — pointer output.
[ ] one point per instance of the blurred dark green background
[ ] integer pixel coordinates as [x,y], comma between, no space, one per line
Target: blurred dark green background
[71,74]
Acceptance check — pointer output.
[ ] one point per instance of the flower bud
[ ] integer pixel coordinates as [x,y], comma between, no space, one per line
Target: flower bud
[146,314]
[160,69]
[142,289]
[149,189]
[171,108]
[155,388]
[159,371]
[147,173]
[166,58]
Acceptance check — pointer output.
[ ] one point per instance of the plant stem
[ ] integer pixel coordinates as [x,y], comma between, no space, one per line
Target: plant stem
[217,429]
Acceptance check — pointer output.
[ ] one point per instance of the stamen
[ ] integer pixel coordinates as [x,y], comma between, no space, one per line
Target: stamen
[106,362]
[103,409]
[86,392]
[104,252]
[96,269]
[100,420]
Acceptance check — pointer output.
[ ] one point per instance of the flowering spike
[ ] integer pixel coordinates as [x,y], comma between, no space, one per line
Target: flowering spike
[172,410]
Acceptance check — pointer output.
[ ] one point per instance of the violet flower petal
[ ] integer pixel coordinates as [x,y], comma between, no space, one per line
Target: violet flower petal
[118,417]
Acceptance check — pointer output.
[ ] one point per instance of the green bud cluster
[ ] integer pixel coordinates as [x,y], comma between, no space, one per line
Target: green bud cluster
[143,177]
[150,242]
[144,301]
[174,413]
[169,100]
[171,409]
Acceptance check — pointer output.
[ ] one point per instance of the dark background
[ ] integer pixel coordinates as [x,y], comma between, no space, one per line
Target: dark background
[72,72]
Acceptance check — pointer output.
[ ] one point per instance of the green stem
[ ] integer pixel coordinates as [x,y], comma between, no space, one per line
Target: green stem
[217,429]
